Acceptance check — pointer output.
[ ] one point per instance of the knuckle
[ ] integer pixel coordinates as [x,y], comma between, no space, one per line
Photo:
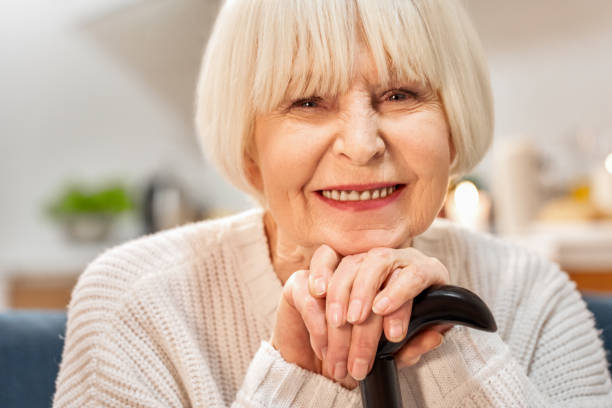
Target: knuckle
[434,263]
[384,254]
[353,260]
[310,306]
[413,252]
[419,275]
[318,332]
[364,347]
[347,262]
[334,292]
[344,261]
[337,354]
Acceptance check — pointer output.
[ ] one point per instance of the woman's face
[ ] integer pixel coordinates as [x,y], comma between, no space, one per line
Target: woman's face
[361,170]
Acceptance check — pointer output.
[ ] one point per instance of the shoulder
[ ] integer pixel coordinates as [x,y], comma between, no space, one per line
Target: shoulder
[140,301]
[486,263]
[153,259]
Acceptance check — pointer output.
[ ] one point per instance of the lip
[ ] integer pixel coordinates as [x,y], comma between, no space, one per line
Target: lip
[361,187]
[362,205]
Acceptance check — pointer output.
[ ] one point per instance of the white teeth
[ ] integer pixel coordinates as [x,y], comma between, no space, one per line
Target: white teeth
[352,195]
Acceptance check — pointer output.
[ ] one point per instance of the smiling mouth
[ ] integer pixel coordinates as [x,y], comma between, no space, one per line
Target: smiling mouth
[362,195]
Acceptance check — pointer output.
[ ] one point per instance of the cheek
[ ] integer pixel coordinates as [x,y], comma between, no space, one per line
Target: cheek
[288,156]
[423,143]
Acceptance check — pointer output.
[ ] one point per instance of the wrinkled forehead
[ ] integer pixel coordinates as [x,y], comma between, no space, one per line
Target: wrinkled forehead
[322,52]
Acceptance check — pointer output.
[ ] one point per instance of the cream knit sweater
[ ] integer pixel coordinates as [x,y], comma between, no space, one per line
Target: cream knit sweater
[181,318]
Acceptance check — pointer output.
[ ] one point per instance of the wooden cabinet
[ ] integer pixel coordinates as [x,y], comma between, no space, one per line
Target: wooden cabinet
[40,292]
[592,281]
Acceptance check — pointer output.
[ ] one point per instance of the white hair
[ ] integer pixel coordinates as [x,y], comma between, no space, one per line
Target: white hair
[262,52]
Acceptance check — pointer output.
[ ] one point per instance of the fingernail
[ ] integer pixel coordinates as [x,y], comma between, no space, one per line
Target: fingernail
[395,329]
[319,286]
[381,305]
[340,370]
[440,343]
[360,369]
[414,360]
[354,312]
[336,314]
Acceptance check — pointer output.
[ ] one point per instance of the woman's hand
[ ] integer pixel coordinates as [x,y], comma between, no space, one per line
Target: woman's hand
[300,328]
[382,280]
[311,328]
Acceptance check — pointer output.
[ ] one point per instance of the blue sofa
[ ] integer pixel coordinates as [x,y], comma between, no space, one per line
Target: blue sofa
[31,347]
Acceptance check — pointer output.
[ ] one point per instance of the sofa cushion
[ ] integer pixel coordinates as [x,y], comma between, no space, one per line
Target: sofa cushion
[30,352]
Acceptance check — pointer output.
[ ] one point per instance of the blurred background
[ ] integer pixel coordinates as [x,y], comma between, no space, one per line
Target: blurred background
[98,144]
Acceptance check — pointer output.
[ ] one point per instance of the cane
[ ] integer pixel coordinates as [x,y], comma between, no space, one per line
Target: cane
[438,304]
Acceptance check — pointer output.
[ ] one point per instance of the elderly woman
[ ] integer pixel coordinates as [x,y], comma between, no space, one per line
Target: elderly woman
[345,120]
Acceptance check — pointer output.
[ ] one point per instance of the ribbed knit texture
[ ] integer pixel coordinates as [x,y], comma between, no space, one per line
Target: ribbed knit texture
[181,318]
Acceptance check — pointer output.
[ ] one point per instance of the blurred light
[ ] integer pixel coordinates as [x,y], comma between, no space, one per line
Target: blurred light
[466,200]
[468,206]
[608,163]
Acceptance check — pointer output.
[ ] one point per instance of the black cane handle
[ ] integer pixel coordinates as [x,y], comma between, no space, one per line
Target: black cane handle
[438,304]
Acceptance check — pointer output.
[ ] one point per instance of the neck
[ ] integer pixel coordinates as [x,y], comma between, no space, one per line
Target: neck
[287,256]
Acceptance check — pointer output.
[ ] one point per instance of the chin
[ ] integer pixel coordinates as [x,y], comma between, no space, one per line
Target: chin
[355,242]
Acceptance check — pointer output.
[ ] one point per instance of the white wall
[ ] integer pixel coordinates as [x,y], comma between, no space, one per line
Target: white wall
[103,88]
[90,91]
[551,69]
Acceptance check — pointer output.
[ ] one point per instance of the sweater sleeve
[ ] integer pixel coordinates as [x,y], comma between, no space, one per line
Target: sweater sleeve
[273,382]
[566,367]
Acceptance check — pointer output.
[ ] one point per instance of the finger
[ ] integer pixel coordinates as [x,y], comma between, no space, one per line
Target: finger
[312,311]
[288,289]
[441,328]
[372,273]
[322,265]
[423,342]
[338,289]
[396,323]
[407,282]
[338,345]
[364,342]
[347,382]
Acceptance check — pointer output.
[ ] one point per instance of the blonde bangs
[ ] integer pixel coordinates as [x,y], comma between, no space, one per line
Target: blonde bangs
[296,60]
[318,58]
[413,58]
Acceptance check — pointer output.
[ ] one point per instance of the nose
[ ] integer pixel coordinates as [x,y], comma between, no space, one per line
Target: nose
[360,140]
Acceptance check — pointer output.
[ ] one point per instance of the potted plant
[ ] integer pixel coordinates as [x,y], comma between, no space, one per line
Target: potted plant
[87,214]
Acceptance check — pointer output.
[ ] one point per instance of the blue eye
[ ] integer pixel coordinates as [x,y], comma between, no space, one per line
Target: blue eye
[397,97]
[306,103]
[402,95]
